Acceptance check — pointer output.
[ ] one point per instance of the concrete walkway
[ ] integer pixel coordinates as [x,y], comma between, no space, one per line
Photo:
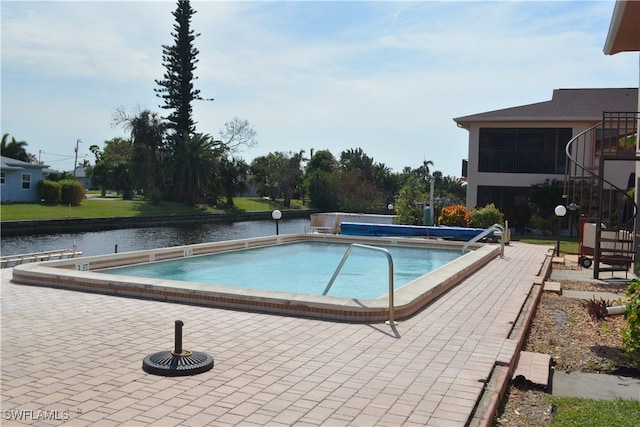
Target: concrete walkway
[595,386]
[71,358]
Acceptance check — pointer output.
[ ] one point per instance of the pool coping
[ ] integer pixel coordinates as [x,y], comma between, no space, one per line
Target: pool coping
[79,274]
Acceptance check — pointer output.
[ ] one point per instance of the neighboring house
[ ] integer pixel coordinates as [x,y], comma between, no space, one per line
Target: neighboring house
[81,175]
[19,180]
[514,148]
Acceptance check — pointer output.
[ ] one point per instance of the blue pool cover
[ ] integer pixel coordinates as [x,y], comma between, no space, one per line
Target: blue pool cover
[390,230]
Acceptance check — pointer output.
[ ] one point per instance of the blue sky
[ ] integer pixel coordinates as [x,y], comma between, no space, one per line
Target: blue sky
[388,77]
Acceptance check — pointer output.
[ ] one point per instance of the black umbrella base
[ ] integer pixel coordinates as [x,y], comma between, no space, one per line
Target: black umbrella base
[171,364]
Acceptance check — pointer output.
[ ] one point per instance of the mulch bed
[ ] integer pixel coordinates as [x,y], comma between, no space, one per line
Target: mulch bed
[563,328]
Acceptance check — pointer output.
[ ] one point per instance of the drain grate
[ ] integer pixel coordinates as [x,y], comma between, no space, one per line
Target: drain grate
[179,362]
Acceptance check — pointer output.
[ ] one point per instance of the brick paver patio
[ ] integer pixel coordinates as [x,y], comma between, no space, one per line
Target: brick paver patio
[71,358]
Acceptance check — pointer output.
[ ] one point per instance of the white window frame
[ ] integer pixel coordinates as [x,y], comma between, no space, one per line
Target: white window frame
[26,181]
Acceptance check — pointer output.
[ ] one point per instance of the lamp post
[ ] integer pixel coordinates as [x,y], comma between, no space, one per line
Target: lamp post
[560,211]
[276,215]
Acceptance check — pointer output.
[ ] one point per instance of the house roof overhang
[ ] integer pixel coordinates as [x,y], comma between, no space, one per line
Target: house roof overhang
[9,164]
[566,105]
[624,30]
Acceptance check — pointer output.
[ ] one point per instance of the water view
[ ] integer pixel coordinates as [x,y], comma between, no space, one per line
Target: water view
[134,239]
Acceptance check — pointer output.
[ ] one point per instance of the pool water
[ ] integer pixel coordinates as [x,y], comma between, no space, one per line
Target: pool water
[305,267]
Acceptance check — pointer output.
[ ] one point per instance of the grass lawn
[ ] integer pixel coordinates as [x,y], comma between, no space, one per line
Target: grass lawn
[568,245]
[116,207]
[586,412]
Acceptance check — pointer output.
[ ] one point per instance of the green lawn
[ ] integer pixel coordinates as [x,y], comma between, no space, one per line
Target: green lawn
[568,245]
[577,412]
[115,207]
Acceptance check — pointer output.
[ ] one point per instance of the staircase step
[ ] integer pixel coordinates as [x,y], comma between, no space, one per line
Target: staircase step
[533,367]
[613,259]
[614,268]
[606,239]
[620,252]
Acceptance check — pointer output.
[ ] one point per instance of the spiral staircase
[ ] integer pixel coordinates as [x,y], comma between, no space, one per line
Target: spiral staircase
[594,192]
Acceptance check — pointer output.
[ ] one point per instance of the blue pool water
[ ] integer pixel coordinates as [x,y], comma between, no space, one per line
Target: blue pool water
[305,267]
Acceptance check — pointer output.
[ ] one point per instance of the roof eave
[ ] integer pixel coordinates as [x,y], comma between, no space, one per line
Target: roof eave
[624,31]
[465,122]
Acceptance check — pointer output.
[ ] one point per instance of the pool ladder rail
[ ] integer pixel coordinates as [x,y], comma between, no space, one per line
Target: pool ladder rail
[485,233]
[391,320]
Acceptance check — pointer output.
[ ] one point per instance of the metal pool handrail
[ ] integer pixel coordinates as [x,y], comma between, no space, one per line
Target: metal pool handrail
[389,260]
[485,233]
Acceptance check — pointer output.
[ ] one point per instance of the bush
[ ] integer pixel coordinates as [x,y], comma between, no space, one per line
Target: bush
[408,208]
[545,224]
[155,197]
[455,216]
[73,192]
[49,191]
[631,333]
[597,308]
[486,217]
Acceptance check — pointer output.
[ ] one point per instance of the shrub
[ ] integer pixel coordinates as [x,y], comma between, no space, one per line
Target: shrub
[72,193]
[455,216]
[408,208]
[597,309]
[631,333]
[486,217]
[155,197]
[544,224]
[49,191]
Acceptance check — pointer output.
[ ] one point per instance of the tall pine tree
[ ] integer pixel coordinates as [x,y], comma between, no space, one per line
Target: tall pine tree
[176,87]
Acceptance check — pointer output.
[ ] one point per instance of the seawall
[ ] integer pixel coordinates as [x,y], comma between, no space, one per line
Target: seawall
[66,225]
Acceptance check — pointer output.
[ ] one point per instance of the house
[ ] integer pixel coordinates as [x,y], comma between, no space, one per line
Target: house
[19,180]
[514,148]
[80,173]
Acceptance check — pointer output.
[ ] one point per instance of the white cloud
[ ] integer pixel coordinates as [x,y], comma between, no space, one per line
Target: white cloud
[385,76]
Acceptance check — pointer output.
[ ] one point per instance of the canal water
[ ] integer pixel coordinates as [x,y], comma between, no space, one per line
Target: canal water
[134,239]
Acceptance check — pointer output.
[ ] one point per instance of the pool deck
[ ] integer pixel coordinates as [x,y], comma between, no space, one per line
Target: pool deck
[77,357]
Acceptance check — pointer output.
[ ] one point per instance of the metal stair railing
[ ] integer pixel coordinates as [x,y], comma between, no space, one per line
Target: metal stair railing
[485,233]
[389,260]
[584,185]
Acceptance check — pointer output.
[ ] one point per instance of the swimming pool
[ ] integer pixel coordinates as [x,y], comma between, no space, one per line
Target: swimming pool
[302,267]
[85,274]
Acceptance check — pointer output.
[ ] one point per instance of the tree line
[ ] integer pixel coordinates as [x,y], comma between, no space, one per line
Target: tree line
[167,158]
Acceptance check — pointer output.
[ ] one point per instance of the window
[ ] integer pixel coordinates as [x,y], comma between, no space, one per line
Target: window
[523,150]
[2,178]
[26,181]
[512,201]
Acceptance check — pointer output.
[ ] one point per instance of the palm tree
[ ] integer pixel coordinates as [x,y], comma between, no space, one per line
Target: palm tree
[232,172]
[15,149]
[148,132]
[195,167]
[422,172]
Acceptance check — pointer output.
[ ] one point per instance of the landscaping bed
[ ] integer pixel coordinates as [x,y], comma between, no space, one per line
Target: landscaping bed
[563,328]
